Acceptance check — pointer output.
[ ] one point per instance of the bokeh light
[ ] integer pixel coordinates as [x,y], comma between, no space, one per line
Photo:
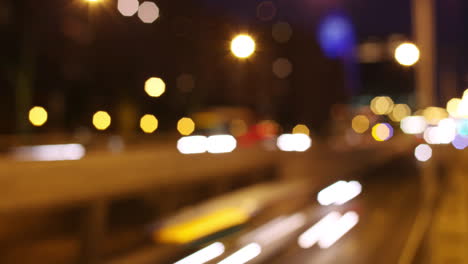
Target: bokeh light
[155,87]
[243,46]
[339,193]
[360,124]
[452,106]
[399,112]
[49,152]
[149,123]
[221,144]
[185,82]
[282,68]
[301,129]
[413,125]
[423,152]
[238,127]
[460,142]
[447,131]
[267,128]
[294,142]
[382,132]
[463,107]
[433,115]
[444,133]
[148,12]
[185,126]
[192,145]
[204,255]
[128,7]
[101,120]
[382,105]
[463,127]
[407,54]
[266,10]
[38,116]
[336,35]
[282,32]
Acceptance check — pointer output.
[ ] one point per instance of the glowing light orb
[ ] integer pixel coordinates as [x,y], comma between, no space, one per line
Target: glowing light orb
[38,116]
[407,54]
[101,120]
[360,124]
[155,87]
[382,132]
[423,152]
[149,123]
[186,126]
[243,46]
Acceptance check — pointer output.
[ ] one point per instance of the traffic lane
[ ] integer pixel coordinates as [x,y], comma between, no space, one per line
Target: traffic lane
[378,205]
[387,209]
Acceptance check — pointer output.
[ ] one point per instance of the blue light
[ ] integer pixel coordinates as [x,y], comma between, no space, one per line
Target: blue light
[460,142]
[336,36]
[463,127]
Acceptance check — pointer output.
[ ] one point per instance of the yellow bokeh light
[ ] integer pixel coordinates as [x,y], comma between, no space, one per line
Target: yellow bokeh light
[101,120]
[360,124]
[243,46]
[238,127]
[149,123]
[186,126]
[399,112]
[462,110]
[155,87]
[38,116]
[407,54]
[301,129]
[452,106]
[382,132]
[434,114]
[382,105]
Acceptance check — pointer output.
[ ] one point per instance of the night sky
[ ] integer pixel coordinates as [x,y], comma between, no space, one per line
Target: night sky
[76,58]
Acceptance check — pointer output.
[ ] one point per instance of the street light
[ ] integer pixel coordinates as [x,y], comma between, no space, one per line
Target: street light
[243,46]
[38,116]
[149,123]
[155,87]
[101,120]
[407,54]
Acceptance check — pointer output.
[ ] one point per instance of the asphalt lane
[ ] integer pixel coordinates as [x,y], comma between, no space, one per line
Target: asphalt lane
[387,209]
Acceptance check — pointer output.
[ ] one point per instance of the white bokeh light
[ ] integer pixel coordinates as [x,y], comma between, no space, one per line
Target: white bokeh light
[423,152]
[192,145]
[128,7]
[413,125]
[221,144]
[148,12]
[294,142]
[407,54]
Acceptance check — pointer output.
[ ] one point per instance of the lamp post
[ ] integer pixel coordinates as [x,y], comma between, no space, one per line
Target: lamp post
[424,35]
